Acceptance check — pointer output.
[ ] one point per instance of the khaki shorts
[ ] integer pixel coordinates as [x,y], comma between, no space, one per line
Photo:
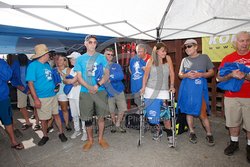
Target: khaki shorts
[237,112]
[62,97]
[49,108]
[119,101]
[137,99]
[22,99]
[93,104]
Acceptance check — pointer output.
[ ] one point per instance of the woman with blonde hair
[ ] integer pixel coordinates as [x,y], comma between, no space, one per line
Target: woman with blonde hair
[62,66]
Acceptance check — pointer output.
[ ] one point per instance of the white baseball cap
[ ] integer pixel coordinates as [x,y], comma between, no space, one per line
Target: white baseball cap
[190,41]
[74,55]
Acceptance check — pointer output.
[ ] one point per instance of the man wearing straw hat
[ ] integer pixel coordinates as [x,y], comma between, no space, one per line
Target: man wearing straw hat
[42,88]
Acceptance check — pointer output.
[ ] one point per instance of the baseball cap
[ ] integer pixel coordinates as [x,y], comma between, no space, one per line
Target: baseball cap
[74,55]
[190,41]
[90,36]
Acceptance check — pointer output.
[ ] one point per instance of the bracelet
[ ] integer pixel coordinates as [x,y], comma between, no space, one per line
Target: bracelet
[98,84]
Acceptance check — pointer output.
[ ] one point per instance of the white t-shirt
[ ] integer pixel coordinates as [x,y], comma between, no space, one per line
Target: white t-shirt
[75,91]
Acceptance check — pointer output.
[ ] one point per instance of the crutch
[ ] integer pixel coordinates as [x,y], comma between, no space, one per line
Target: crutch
[173,117]
[141,113]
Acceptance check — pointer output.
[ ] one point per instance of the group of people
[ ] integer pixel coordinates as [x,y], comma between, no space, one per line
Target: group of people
[97,89]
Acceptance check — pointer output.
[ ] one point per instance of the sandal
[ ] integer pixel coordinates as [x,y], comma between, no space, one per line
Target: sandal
[18,146]
[26,126]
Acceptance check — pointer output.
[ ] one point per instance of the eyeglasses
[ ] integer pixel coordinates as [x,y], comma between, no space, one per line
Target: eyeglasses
[188,46]
[92,42]
[109,54]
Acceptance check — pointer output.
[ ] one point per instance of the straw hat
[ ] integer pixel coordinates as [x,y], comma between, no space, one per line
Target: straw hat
[40,50]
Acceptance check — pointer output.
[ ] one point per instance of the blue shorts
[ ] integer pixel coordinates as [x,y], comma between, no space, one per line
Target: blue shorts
[5,112]
[153,110]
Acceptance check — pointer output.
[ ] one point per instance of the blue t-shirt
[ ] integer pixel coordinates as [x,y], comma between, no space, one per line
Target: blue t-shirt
[137,73]
[23,73]
[5,75]
[87,65]
[41,75]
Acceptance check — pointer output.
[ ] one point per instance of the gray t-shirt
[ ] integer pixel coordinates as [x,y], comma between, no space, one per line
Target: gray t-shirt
[201,62]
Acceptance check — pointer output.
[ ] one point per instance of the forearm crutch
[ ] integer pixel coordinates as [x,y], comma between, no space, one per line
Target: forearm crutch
[173,117]
[141,113]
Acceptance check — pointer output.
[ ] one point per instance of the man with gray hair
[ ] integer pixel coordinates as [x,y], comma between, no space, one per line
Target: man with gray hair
[136,68]
[237,104]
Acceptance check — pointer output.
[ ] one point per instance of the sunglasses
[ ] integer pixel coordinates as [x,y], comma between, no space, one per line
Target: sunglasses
[109,54]
[92,42]
[188,46]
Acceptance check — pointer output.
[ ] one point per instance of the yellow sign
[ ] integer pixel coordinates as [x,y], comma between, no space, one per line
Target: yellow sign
[217,47]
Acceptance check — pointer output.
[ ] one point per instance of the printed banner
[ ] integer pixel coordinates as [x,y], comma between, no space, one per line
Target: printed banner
[217,47]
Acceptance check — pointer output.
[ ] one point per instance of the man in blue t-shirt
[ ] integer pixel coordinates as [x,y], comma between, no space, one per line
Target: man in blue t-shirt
[6,113]
[42,88]
[92,73]
[136,68]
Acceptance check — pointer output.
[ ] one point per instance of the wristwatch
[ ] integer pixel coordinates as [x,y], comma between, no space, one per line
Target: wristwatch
[245,77]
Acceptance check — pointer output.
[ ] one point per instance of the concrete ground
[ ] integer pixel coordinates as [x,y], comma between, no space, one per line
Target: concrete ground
[123,151]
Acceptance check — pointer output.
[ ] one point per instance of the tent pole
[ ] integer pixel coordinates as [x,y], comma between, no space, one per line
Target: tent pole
[158,39]
[116,53]
[164,17]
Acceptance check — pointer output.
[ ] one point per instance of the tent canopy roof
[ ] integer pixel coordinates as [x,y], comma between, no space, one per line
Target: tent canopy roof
[136,19]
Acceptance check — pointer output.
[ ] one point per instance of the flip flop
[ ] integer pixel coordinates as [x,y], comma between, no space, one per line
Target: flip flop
[26,126]
[18,146]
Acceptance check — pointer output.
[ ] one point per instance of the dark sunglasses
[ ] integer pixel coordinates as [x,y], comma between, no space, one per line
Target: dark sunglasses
[92,42]
[188,46]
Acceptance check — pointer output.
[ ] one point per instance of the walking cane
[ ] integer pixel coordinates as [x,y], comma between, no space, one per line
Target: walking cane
[173,117]
[141,108]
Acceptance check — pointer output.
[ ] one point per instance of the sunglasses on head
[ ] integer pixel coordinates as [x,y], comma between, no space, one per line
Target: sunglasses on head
[188,46]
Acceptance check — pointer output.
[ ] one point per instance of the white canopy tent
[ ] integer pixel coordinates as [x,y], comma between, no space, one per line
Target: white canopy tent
[140,19]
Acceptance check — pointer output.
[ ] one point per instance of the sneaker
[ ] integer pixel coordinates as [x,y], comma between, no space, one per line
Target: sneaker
[170,141]
[84,136]
[87,146]
[120,129]
[192,138]
[43,141]
[113,129]
[68,128]
[103,144]
[231,148]
[157,135]
[32,117]
[26,126]
[248,153]
[62,137]
[75,134]
[37,127]
[210,140]
[49,129]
